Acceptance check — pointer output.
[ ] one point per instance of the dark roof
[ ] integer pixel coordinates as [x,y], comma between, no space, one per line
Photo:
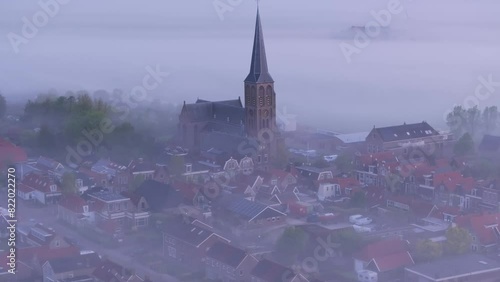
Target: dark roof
[226,254]
[187,232]
[271,271]
[259,72]
[109,271]
[490,143]
[406,131]
[159,196]
[66,264]
[230,112]
[247,209]
[455,266]
[225,143]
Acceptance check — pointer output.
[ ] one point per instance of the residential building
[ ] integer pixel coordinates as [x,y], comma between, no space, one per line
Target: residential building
[270,271]
[78,267]
[228,263]
[73,210]
[42,188]
[469,267]
[483,229]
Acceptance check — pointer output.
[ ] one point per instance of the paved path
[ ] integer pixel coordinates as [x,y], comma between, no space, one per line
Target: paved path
[47,216]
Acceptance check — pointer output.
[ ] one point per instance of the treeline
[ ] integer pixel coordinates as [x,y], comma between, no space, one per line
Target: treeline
[66,120]
[473,121]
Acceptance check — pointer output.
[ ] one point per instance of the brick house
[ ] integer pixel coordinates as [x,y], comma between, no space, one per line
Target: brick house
[45,189]
[73,210]
[387,258]
[228,263]
[403,139]
[188,243]
[78,267]
[483,229]
[270,271]
[110,209]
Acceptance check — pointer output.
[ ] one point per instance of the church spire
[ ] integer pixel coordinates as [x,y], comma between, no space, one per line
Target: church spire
[258,69]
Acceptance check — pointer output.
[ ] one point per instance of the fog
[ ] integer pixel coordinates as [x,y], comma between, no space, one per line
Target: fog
[429,59]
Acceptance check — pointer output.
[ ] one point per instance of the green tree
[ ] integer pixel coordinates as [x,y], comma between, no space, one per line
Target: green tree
[358,200]
[458,241]
[344,162]
[348,240]
[3,106]
[176,165]
[490,119]
[136,182]
[464,145]
[68,183]
[426,250]
[291,243]
[456,120]
[45,138]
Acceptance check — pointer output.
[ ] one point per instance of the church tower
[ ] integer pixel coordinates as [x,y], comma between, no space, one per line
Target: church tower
[260,98]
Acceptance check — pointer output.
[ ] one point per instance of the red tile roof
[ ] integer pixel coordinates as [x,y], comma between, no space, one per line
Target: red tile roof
[482,226]
[10,153]
[393,261]
[42,253]
[451,179]
[73,203]
[381,249]
[40,182]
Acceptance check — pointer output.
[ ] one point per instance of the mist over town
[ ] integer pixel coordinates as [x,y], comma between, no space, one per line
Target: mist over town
[259,141]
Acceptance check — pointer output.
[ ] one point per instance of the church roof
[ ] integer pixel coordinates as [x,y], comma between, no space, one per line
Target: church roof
[259,72]
[229,111]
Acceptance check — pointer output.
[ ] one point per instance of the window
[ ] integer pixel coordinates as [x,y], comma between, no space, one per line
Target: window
[85,208]
[265,158]
[259,159]
[79,183]
[140,222]
[53,188]
[172,252]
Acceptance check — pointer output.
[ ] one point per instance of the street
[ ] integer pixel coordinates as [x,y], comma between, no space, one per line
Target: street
[48,217]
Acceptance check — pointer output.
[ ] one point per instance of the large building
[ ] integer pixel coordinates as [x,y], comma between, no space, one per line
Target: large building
[225,129]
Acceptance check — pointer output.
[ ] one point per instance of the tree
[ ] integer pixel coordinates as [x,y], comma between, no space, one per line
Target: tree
[3,106]
[136,182]
[358,200]
[176,165]
[490,119]
[458,241]
[344,162]
[426,250]
[291,243]
[46,139]
[464,145]
[348,240]
[456,120]
[68,183]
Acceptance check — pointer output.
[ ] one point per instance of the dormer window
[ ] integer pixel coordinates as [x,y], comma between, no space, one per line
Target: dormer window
[85,208]
[79,183]
[53,188]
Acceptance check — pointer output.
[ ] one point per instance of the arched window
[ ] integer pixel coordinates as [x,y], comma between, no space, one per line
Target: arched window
[269,95]
[254,96]
[261,96]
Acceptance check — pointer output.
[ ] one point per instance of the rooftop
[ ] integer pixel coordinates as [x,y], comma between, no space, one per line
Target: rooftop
[455,267]
[107,196]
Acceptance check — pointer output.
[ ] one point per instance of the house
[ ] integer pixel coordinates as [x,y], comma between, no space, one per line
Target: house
[78,267]
[188,242]
[110,209]
[415,206]
[118,177]
[73,210]
[24,273]
[403,139]
[41,188]
[10,154]
[469,267]
[270,271]
[375,168]
[249,214]
[483,229]
[108,271]
[141,168]
[387,258]
[50,166]
[158,196]
[137,216]
[38,243]
[225,263]
[83,182]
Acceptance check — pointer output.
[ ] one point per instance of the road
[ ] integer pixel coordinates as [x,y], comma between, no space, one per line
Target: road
[47,216]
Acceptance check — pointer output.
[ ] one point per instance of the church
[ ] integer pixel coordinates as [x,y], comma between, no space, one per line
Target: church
[219,130]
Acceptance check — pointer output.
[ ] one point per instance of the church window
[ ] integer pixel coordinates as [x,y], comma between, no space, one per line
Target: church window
[269,95]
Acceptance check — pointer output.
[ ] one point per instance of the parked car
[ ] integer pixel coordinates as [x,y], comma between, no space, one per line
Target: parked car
[352,218]
[363,221]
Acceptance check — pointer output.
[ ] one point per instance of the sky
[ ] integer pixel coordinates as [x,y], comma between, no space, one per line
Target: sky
[427,60]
